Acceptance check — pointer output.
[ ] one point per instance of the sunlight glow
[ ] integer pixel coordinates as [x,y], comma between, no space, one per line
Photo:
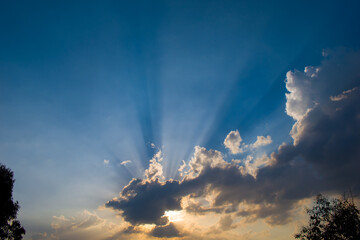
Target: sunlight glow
[174,216]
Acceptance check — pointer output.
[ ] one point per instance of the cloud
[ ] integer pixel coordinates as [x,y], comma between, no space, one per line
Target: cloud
[182,168]
[226,223]
[155,170]
[145,232]
[327,131]
[39,236]
[327,138]
[261,141]
[125,233]
[324,156]
[106,162]
[301,96]
[145,202]
[124,163]
[83,225]
[168,231]
[337,73]
[204,158]
[85,220]
[233,142]
[252,165]
[343,95]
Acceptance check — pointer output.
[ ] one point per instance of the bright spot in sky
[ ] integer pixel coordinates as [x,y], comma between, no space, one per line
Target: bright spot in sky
[174,216]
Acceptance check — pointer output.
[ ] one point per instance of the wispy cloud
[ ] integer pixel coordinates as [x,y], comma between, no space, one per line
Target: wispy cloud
[124,163]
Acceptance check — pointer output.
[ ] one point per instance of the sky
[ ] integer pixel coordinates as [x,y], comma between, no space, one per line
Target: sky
[177,119]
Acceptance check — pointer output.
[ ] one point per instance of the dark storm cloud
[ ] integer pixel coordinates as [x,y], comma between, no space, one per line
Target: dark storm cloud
[168,231]
[328,139]
[146,201]
[325,156]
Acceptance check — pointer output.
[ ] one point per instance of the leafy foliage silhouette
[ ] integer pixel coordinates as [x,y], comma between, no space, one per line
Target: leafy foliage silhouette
[10,228]
[336,219]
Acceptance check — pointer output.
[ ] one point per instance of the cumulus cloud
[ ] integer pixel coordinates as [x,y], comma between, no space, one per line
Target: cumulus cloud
[145,202]
[181,169]
[337,73]
[235,144]
[327,138]
[252,165]
[168,231]
[204,158]
[233,141]
[261,141]
[327,129]
[301,96]
[155,170]
[324,156]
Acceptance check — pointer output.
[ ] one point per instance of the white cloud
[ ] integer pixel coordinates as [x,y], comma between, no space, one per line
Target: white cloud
[182,168]
[204,158]
[314,87]
[261,141]
[252,165]
[155,170]
[106,162]
[337,73]
[233,142]
[125,162]
[300,97]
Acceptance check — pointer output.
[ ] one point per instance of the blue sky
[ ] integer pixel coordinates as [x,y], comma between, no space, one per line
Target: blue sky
[86,81]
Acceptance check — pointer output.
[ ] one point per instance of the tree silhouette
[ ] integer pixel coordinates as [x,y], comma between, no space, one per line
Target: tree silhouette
[10,228]
[336,219]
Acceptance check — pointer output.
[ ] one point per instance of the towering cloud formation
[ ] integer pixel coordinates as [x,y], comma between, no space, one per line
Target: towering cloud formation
[155,170]
[325,156]
[327,131]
